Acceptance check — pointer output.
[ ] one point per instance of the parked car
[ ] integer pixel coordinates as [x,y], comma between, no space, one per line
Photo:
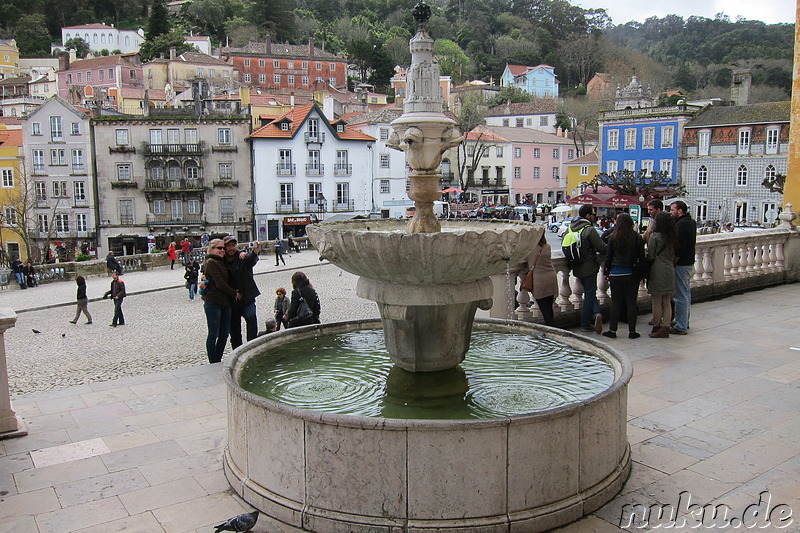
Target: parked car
[559,226]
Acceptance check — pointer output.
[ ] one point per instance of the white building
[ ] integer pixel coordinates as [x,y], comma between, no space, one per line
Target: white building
[307,168]
[540,115]
[101,37]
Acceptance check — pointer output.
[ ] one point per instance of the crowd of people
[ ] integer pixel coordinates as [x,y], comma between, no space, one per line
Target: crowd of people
[663,257]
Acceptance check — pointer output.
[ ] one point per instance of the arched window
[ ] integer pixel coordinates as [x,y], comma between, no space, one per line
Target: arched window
[174,171]
[103,38]
[769,172]
[192,170]
[66,37]
[127,41]
[702,175]
[95,38]
[741,176]
[157,172]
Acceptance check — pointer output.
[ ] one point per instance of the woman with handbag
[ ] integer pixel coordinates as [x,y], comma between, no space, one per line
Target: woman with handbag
[624,252]
[303,296]
[661,284]
[543,277]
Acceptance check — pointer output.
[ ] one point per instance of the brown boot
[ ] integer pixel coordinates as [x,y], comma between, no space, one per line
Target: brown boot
[660,333]
[655,328]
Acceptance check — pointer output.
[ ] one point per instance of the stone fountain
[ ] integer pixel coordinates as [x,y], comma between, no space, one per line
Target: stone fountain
[327,472]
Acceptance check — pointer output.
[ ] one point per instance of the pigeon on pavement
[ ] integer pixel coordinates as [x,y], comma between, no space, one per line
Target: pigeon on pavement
[242,523]
[36,331]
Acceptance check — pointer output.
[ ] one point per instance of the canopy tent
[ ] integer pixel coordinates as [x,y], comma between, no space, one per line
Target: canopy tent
[451,189]
[562,209]
[604,200]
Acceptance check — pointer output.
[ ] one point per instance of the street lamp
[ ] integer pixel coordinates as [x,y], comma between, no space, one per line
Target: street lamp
[321,205]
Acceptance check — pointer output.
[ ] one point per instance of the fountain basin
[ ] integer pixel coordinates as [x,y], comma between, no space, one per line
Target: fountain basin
[342,473]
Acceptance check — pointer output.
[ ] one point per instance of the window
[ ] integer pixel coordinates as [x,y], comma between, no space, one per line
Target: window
[630,164]
[648,138]
[173,171]
[290,64]
[124,172]
[313,160]
[58,157]
[305,64]
[79,75]
[226,209]
[122,137]
[275,64]
[62,221]
[159,207]
[570,154]
[519,123]
[80,222]
[225,171]
[79,190]
[340,128]
[537,153]
[332,81]
[56,134]
[741,176]
[556,173]
[384,133]
[341,158]
[332,67]
[584,170]
[76,128]
[648,165]
[192,171]
[77,161]
[612,166]
[290,79]
[744,141]
[89,76]
[101,74]
[556,153]
[630,139]
[319,66]
[8,178]
[111,73]
[741,212]
[156,171]
[702,175]
[44,227]
[665,165]
[517,173]
[133,74]
[276,78]
[667,136]
[499,151]
[703,142]
[543,120]
[284,161]
[517,153]
[36,128]
[305,80]
[505,122]
[384,160]
[173,136]
[537,172]
[69,78]
[262,78]
[38,161]
[769,173]
[384,187]
[10,216]
[247,77]
[176,209]
[194,207]
[613,139]
[314,190]
[343,193]
[287,194]
[701,210]
[284,126]
[224,135]
[190,134]
[247,62]
[59,189]
[772,140]
[41,191]
[156,137]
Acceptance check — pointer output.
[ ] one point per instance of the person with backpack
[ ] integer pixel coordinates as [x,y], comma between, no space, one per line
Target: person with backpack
[580,245]
[624,255]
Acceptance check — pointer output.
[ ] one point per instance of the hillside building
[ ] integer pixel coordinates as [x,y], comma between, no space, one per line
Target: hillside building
[539,115]
[540,81]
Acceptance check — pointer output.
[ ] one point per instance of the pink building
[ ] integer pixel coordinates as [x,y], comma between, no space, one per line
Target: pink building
[90,79]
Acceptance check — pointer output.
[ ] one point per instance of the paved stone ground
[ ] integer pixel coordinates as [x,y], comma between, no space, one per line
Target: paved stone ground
[163,331]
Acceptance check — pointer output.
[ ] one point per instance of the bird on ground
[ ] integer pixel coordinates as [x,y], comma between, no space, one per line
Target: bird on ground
[241,523]
[63,335]
[36,331]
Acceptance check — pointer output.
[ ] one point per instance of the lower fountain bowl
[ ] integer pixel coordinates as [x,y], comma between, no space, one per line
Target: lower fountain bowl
[331,473]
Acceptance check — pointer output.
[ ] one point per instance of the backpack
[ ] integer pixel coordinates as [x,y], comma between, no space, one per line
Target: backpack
[571,246]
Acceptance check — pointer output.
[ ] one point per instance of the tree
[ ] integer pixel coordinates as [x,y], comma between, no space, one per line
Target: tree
[161,45]
[80,46]
[33,39]
[451,59]
[510,93]
[476,140]
[158,22]
[240,31]
[774,183]
[382,68]
[640,183]
[275,17]
[579,117]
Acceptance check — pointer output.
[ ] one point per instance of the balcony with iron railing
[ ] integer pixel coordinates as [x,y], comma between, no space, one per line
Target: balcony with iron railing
[315,169]
[78,168]
[344,205]
[285,169]
[174,220]
[341,169]
[173,149]
[316,206]
[176,185]
[38,170]
[318,137]
[291,207]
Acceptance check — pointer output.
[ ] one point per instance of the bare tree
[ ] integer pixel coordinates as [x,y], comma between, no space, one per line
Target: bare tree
[579,117]
[641,183]
[774,183]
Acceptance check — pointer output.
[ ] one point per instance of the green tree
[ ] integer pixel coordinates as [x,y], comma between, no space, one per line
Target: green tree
[33,39]
[161,45]
[451,59]
[80,46]
[510,93]
[382,68]
[158,22]
[239,31]
[275,17]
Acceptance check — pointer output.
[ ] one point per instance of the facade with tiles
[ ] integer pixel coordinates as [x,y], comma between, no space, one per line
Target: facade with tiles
[308,168]
[270,65]
[727,152]
[171,177]
[58,154]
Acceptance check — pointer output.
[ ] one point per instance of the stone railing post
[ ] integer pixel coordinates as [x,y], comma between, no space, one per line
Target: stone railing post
[10,425]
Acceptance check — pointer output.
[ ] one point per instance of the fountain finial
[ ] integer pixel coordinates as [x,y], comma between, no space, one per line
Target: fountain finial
[421,13]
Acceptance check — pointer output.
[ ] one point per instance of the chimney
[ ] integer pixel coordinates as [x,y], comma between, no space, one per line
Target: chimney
[310,47]
[73,56]
[291,99]
[740,86]
[63,62]
[172,52]
[268,44]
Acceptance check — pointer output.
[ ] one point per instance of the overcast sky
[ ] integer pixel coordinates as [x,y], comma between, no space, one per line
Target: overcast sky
[622,11]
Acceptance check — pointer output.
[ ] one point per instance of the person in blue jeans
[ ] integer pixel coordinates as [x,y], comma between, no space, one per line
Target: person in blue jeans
[241,266]
[586,271]
[219,294]
[686,229]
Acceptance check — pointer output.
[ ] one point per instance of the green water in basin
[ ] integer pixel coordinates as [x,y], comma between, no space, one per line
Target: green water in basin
[351,373]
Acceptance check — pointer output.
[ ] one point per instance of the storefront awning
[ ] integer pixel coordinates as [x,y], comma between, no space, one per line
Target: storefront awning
[604,200]
[296,221]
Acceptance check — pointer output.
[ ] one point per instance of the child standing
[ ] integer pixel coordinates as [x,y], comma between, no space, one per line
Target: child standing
[83,302]
[281,308]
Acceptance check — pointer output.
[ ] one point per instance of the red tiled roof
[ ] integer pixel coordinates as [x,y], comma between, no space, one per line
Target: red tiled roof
[297,116]
[10,137]
[93,26]
[517,70]
[10,121]
[586,159]
[103,61]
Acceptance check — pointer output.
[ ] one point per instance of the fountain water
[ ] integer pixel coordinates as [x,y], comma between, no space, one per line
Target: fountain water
[330,472]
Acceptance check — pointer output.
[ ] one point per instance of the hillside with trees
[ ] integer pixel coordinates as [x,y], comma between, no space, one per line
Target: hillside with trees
[475,38]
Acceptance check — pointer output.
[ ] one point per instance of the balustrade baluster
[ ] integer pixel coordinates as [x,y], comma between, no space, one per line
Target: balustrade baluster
[727,262]
[577,292]
[697,276]
[564,291]
[779,256]
[735,274]
[708,267]
[750,260]
[602,289]
[523,297]
[771,255]
[758,258]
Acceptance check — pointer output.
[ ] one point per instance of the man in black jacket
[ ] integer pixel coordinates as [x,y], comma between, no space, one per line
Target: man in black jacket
[117,293]
[684,263]
[241,266]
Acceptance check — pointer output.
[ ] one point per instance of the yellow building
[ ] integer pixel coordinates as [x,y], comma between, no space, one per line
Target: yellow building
[791,190]
[11,200]
[9,59]
[579,170]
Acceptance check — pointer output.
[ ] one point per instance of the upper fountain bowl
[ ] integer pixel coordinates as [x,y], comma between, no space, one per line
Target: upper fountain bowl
[463,251]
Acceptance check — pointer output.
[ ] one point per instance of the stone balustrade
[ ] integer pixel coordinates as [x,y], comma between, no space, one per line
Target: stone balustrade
[725,263]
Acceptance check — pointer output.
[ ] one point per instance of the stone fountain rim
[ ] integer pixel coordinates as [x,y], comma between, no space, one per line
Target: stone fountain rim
[623,372]
[341,225]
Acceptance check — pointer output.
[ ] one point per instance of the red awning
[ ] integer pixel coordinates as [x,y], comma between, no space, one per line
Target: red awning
[604,200]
